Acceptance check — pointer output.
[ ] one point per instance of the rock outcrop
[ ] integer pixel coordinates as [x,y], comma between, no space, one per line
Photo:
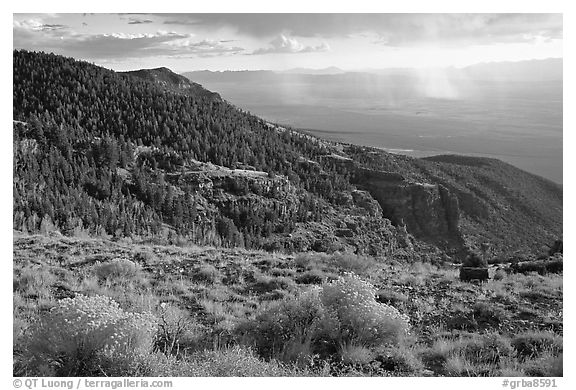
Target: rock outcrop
[429,211]
[355,224]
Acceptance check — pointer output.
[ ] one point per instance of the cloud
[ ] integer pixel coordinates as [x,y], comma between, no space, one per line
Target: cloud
[33,35]
[182,22]
[283,44]
[470,29]
[37,24]
[389,29]
[139,21]
[204,48]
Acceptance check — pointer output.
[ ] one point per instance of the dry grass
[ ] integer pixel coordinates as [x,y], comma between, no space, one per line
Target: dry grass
[218,289]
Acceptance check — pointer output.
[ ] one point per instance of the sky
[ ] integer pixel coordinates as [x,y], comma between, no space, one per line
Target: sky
[219,41]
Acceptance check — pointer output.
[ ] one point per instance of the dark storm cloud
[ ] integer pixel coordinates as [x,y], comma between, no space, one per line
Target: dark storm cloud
[50,27]
[391,29]
[182,22]
[35,24]
[30,35]
[139,21]
[119,45]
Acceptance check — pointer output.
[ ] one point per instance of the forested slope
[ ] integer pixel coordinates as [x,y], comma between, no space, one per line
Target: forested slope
[148,153]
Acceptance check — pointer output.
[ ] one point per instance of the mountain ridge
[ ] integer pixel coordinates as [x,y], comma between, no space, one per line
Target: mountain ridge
[170,79]
[331,210]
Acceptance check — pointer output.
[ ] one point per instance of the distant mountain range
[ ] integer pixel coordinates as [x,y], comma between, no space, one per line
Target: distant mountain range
[529,70]
[329,70]
[508,110]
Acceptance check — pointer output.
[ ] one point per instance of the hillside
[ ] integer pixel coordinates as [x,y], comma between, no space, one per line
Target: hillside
[170,80]
[161,231]
[150,154]
[208,300]
[498,203]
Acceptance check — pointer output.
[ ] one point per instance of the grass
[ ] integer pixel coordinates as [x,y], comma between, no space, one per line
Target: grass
[356,354]
[508,326]
[206,273]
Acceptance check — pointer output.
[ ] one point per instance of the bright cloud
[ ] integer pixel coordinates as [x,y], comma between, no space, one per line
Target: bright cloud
[284,44]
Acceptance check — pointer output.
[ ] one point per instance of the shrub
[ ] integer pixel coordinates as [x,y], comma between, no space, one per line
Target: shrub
[233,362]
[34,280]
[391,297]
[227,362]
[485,349]
[459,366]
[118,268]
[461,319]
[353,263]
[357,316]
[145,257]
[282,272]
[80,331]
[309,260]
[311,277]
[324,321]
[265,283]
[499,274]
[173,324]
[207,273]
[345,261]
[399,359]
[469,354]
[277,331]
[489,314]
[533,344]
[475,260]
[414,280]
[356,354]
[548,364]
[274,295]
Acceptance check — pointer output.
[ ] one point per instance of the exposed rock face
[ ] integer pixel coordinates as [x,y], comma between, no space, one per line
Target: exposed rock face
[365,201]
[338,161]
[471,204]
[429,211]
[356,224]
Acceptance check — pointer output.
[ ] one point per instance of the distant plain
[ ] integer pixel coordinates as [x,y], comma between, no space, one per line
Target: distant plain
[516,120]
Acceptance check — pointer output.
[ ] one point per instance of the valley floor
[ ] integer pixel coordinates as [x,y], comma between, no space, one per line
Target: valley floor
[205,300]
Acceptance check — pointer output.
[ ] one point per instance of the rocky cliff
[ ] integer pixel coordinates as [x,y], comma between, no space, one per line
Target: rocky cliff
[430,212]
[356,224]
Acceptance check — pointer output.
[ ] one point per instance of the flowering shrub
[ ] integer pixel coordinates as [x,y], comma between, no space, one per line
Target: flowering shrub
[324,321]
[80,330]
[356,316]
